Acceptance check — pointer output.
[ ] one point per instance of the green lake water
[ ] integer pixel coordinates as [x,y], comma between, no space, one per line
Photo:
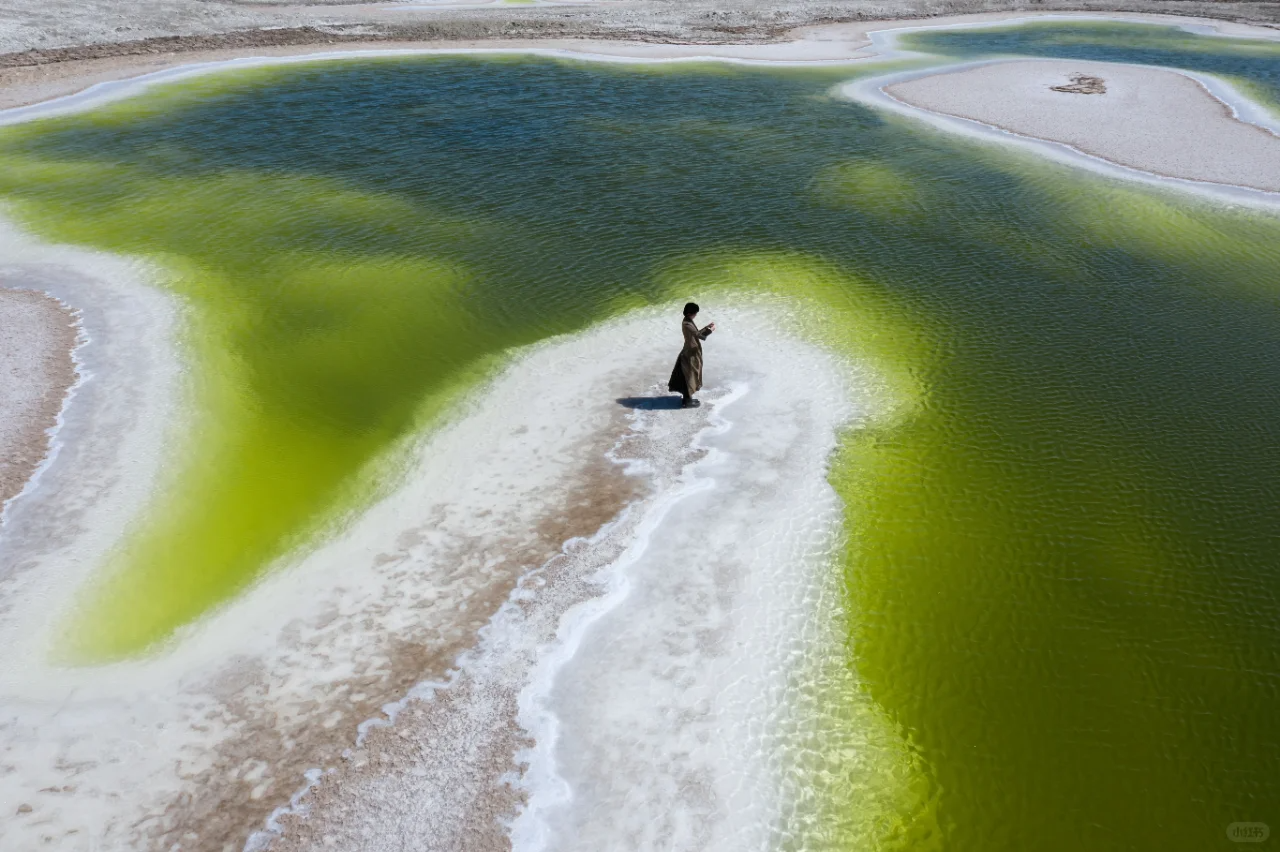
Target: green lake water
[1062,569]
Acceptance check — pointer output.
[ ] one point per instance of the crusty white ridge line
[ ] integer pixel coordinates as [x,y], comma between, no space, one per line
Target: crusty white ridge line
[1242,107]
[489,640]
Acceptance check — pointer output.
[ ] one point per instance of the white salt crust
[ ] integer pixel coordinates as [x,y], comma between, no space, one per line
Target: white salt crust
[657,715]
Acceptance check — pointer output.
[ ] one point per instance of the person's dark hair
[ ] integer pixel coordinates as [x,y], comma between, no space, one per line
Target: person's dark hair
[691,309]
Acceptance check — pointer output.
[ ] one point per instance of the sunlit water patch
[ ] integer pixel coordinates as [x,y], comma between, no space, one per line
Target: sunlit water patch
[1057,576]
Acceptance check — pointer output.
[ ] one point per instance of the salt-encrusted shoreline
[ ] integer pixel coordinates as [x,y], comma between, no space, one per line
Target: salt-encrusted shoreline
[38,335]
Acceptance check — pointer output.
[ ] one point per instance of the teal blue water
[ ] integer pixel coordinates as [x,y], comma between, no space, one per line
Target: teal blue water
[1062,574]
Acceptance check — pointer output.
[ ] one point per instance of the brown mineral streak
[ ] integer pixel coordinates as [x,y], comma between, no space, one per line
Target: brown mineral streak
[37,368]
[221,809]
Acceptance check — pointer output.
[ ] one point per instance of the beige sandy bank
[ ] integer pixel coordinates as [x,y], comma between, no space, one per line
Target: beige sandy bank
[37,335]
[1146,118]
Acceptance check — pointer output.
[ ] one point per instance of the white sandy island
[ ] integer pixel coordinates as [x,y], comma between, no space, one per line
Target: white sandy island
[1152,119]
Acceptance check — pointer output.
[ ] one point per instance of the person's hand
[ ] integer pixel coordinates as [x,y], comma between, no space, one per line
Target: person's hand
[712,326]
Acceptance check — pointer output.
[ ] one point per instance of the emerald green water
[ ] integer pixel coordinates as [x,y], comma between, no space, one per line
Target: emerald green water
[1062,577]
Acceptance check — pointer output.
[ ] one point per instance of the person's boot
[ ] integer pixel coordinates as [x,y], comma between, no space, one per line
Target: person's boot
[689,402]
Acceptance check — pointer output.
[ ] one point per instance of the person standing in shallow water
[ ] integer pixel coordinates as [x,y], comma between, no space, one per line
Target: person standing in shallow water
[686,378]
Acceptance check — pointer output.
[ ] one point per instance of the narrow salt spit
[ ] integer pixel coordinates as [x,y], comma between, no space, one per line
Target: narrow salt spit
[663,724]
[648,663]
[874,91]
[516,500]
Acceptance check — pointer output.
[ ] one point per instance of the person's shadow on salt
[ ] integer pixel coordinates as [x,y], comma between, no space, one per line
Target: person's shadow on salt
[650,403]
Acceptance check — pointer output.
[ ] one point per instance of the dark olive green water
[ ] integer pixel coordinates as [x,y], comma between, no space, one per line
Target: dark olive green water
[1063,569]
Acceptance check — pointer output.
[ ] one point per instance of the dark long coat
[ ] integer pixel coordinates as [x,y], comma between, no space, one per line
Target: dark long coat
[686,377]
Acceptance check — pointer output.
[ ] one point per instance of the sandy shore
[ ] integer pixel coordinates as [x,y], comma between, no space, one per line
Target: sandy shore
[1151,119]
[36,371]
